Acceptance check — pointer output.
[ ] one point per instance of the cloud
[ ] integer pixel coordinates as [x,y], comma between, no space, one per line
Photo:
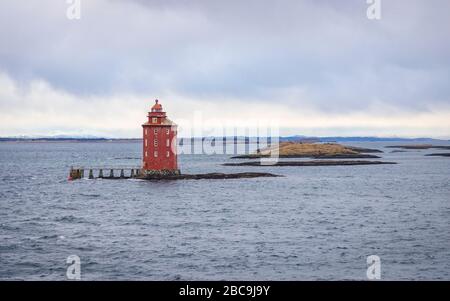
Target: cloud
[40,109]
[324,57]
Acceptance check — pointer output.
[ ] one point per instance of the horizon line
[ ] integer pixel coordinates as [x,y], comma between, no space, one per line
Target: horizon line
[299,137]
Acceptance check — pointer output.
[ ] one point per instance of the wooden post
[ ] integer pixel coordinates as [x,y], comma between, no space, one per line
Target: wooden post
[79,173]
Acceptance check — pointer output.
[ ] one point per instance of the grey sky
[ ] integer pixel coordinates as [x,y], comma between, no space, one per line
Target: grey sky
[325,57]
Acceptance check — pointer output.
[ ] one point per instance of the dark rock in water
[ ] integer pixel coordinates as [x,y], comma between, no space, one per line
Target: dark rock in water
[250,156]
[413,146]
[364,150]
[347,156]
[311,163]
[241,175]
[420,146]
[439,155]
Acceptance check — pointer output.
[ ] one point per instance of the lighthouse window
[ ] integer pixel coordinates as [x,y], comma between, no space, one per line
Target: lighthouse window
[155,142]
[167,142]
[145,131]
[167,131]
[146,142]
[154,120]
[155,154]
[146,154]
[167,154]
[155,131]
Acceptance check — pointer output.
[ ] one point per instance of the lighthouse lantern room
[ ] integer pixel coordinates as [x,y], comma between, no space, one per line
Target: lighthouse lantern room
[159,144]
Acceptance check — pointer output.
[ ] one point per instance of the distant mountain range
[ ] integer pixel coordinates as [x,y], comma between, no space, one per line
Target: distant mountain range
[86,138]
[297,138]
[356,139]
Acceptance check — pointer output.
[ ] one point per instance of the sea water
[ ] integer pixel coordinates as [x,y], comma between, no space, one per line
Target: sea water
[313,223]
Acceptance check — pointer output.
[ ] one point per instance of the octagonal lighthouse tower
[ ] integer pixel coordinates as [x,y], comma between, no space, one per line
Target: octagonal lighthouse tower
[159,144]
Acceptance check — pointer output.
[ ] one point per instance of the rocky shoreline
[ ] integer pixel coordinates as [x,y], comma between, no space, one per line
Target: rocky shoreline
[363,149]
[78,173]
[438,155]
[311,163]
[211,176]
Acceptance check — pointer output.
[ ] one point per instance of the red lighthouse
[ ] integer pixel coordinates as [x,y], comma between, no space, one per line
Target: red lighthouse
[159,144]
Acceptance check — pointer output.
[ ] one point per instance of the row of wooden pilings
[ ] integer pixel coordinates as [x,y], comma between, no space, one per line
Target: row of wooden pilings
[78,173]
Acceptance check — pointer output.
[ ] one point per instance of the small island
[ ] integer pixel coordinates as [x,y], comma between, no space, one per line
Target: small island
[314,151]
[137,173]
[423,147]
[320,151]
[312,163]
